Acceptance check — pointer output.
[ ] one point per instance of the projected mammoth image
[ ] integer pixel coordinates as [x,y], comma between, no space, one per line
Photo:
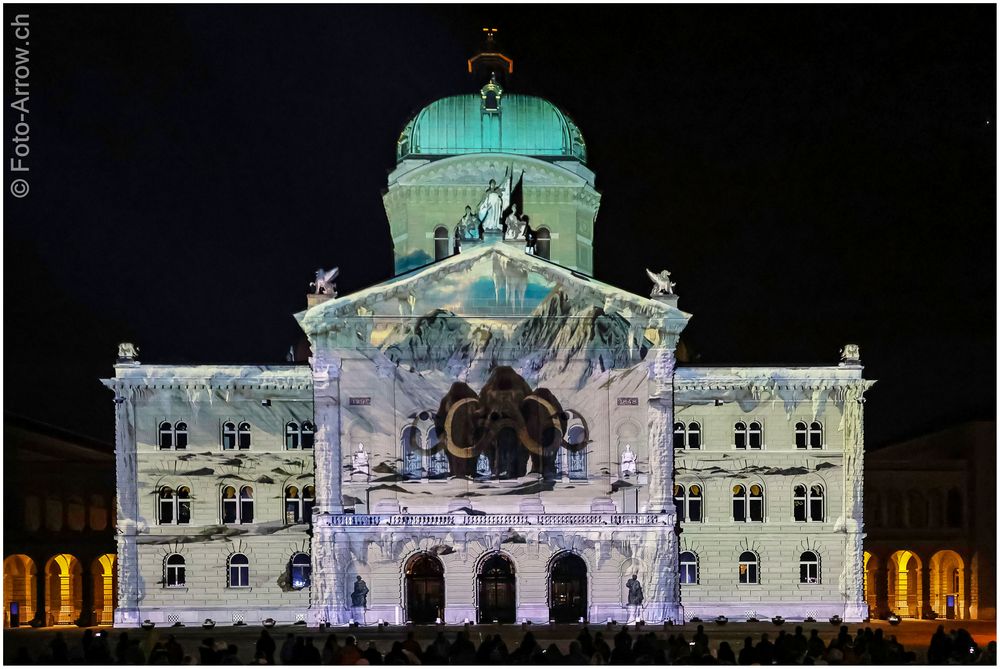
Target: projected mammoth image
[506,431]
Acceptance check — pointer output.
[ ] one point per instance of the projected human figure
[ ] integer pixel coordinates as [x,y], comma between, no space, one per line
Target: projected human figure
[494,202]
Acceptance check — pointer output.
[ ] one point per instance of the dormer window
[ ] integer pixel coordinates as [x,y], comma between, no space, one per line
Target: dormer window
[491,94]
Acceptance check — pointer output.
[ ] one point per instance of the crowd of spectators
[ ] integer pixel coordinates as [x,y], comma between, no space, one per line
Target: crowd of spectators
[622,647]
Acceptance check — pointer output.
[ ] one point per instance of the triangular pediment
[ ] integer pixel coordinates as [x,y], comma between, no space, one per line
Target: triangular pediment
[492,281]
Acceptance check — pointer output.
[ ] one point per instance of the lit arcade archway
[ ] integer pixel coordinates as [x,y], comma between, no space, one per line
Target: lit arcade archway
[20,583]
[947,580]
[904,584]
[64,589]
[424,576]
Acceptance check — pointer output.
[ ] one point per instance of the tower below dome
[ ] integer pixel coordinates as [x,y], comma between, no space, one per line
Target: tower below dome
[491,165]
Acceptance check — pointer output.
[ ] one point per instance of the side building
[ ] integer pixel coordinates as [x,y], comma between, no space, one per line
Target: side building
[930,512]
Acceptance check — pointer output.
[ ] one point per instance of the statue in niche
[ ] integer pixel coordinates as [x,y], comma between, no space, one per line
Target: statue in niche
[359,464]
[495,200]
[439,463]
[635,598]
[359,598]
[483,466]
[514,225]
[662,285]
[577,465]
[468,225]
[628,462]
[324,284]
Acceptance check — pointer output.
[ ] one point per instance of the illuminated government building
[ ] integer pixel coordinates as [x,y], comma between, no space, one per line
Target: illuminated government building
[492,434]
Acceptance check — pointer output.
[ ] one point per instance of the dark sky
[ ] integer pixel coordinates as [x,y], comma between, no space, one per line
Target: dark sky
[811,175]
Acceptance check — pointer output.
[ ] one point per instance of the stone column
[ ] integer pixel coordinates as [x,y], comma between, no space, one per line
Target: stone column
[127,563]
[326,591]
[660,555]
[851,521]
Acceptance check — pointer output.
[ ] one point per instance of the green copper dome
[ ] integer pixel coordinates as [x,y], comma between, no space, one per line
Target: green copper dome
[492,122]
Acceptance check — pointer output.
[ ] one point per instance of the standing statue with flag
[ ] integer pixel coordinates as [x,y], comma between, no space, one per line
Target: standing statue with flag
[495,202]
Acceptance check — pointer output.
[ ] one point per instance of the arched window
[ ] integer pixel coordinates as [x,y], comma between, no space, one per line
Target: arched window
[748,503]
[308,501]
[167,503]
[688,501]
[181,435]
[740,434]
[244,436]
[308,435]
[246,504]
[689,568]
[413,456]
[175,571]
[299,503]
[807,503]
[438,466]
[440,243]
[543,243]
[239,571]
[749,568]
[301,571]
[175,506]
[166,436]
[229,436]
[292,436]
[815,434]
[801,435]
[816,506]
[572,463]
[230,505]
[809,567]
[293,505]
[687,435]
[756,435]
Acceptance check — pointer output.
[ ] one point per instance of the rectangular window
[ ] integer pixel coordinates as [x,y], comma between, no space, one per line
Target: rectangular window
[246,511]
[800,510]
[756,510]
[166,511]
[694,509]
[239,576]
[183,512]
[689,573]
[748,573]
[175,576]
[739,510]
[816,509]
[229,511]
[809,572]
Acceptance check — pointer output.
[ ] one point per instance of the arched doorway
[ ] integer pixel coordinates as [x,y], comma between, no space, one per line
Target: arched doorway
[497,590]
[947,581]
[424,589]
[441,250]
[64,589]
[19,587]
[871,579]
[568,589]
[904,584]
[102,573]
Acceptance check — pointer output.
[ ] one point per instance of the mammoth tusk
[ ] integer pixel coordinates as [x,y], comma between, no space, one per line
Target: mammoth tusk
[522,431]
[464,452]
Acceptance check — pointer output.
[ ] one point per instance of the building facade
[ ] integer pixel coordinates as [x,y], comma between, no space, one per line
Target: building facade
[492,434]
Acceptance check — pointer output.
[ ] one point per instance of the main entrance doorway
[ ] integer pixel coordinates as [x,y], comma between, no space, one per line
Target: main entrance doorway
[424,589]
[568,589]
[497,590]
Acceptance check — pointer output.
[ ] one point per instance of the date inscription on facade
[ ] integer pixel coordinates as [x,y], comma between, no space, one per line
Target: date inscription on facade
[628,401]
[361,402]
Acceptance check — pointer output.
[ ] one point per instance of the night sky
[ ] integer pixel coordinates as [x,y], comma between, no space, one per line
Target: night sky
[812,176]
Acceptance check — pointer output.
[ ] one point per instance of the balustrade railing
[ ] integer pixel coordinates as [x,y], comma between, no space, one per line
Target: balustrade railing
[497,519]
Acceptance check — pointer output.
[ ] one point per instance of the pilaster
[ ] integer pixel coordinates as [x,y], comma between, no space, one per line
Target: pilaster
[127,563]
